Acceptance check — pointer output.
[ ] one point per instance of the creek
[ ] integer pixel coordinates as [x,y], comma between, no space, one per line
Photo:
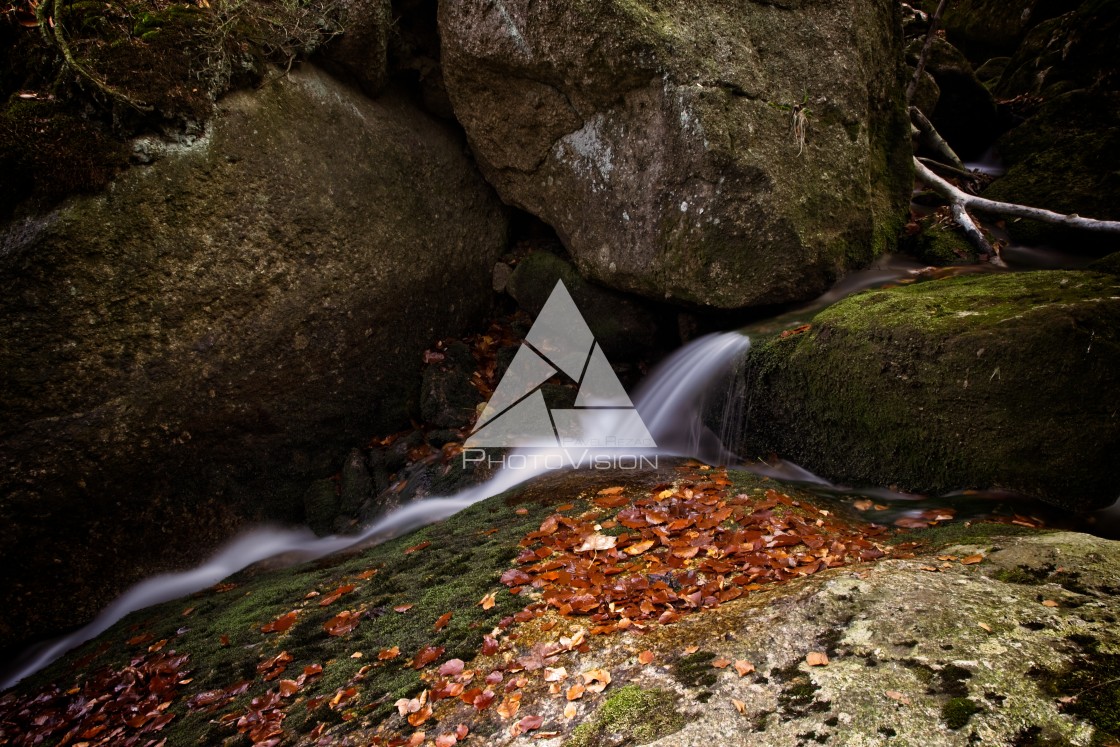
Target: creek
[675,402]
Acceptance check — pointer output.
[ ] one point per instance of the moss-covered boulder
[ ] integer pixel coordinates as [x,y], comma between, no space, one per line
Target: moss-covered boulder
[194,345]
[716,155]
[993,381]
[1072,51]
[986,28]
[1065,158]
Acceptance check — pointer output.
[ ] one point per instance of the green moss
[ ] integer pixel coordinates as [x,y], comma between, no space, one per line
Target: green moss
[221,631]
[641,716]
[958,711]
[940,245]
[950,384]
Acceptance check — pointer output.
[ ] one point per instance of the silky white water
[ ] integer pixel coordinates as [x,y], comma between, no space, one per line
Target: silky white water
[668,401]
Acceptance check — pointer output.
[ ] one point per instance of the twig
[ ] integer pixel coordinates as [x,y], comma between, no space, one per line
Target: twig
[924,56]
[932,139]
[946,168]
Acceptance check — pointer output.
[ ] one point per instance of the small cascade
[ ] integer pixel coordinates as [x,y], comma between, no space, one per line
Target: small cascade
[669,402]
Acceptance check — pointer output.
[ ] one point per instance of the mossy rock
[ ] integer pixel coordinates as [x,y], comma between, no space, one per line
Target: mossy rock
[940,245]
[965,114]
[1065,158]
[639,716]
[996,381]
[193,347]
[986,28]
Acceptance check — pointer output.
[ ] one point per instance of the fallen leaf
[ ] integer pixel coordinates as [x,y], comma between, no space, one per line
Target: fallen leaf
[402,608]
[691,649]
[446,740]
[721,663]
[426,656]
[816,659]
[417,548]
[972,559]
[985,626]
[342,623]
[638,547]
[646,657]
[451,668]
[386,654]
[425,713]
[896,695]
[509,706]
[559,674]
[441,623]
[487,601]
[1049,603]
[570,711]
[596,680]
[743,667]
[740,706]
[280,624]
[288,688]
[575,692]
[530,723]
[595,542]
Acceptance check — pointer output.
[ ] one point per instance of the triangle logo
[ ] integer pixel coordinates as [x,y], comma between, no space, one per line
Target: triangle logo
[560,342]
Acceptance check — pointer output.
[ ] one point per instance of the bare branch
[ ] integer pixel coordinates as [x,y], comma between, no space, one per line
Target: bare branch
[1009,209]
[924,56]
[932,139]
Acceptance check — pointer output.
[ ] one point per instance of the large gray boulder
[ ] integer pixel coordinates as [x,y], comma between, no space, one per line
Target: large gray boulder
[987,381]
[661,140]
[189,348]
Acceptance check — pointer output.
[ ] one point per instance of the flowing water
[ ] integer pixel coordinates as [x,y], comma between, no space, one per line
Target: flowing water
[672,402]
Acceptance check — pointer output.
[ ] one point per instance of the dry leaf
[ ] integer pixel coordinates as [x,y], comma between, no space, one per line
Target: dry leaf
[570,711]
[596,680]
[441,623]
[487,601]
[575,692]
[595,542]
[740,706]
[1049,603]
[896,695]
[743,667]
[816,659]
[721,663]
[646,657]
[972,559]
[985,626]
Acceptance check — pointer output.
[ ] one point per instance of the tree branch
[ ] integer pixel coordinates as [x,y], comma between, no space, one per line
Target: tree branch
[1009,209]
[932,139]
[924,56]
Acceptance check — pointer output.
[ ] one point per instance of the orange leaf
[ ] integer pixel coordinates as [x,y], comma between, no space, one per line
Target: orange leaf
[342,623]
[288,688]
[402,608]
[972,559]
[575,692]
[816,659]
[646,657]
[418,548]
[425,713]
[441,623]
[740,706]
[509,706]
[1049,603]
[487,601]
[639,547]
[721,663]
[446,740]
[280,624]
[426,656]
[743,667]
[389,653]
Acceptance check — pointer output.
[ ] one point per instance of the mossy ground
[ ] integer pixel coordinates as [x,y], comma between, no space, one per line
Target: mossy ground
[221,631]
[638,716]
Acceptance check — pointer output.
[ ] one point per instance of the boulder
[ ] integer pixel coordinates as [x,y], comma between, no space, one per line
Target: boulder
[968,633]
[986,28]
[696,152]
[447,397]
[361,52]
[965,112]
[1065,158]
[1005,381]
[194,345]
[1071,51]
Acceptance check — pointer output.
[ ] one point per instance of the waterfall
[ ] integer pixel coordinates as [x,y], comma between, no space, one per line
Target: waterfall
[670,401]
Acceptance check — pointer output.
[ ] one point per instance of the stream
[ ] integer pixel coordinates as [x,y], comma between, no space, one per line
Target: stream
[671,401]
